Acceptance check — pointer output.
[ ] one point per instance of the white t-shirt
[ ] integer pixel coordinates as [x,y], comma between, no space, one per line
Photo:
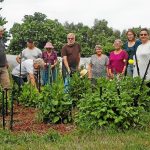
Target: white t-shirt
[31,53]
[26,68]
[143,57]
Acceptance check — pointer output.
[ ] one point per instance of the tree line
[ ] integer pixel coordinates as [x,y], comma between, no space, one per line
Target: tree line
[42,29]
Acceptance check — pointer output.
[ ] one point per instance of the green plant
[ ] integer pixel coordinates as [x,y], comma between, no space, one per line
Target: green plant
[78,87]
[55,106]
[29,95]
[113,108]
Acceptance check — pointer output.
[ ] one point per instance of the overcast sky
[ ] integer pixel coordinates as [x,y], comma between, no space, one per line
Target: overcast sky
[120,14]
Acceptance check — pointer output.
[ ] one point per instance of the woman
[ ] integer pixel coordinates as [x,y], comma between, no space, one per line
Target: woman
[98,64]
[50,58]
[143,55]
[117,60]
[131,47]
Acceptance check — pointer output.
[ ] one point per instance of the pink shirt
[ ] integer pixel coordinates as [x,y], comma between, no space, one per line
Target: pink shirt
[117,61]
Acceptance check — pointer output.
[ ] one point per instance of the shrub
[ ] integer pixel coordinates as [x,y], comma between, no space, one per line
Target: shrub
[114,108]
[55,106]
[29,95]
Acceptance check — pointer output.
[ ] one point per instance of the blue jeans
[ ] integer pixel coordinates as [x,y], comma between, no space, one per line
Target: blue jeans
[48,76]
[130,70]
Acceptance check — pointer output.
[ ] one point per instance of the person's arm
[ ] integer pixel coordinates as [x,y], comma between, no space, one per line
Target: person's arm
[109,69]
[32,79]
[40,54]
[107,63]
[78,65]
[55,61]
[90,71]
[125,62]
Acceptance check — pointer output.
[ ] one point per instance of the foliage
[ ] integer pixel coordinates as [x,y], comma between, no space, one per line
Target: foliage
[55,105]
[38,28]
[78,87]
[114,108]
[29,95]
[6,34]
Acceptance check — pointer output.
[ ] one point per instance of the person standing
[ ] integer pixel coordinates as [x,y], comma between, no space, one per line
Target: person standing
[31,52]
[4,76]
[70,56]
[130,47]
[50,58]
[98,65]
[143,55]
[117,60]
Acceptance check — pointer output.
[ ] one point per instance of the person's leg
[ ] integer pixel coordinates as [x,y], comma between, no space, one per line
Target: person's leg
[4,78]
[44,77]
[130,70]
[64,72]
[54,74]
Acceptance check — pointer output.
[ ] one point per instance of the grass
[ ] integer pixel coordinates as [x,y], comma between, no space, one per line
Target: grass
[77,140]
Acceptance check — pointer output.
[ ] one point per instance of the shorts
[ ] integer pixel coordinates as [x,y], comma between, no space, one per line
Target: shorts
[4,78]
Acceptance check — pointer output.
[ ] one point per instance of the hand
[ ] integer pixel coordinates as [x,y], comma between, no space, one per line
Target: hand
[68,69]
[78,68]
[52,66]
[123,72]
[111,75]
[7,66]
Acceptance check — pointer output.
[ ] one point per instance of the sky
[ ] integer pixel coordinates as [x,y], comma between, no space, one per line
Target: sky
[120,14]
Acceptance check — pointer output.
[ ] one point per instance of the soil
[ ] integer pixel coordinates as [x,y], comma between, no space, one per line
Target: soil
[25,120]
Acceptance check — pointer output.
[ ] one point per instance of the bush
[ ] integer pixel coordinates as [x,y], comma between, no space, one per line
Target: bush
[55,106]
[114,108]
[29,95]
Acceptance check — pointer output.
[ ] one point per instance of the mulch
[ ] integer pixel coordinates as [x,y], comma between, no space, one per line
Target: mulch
[25,120]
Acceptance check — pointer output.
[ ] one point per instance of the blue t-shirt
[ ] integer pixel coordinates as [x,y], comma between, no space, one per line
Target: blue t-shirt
[131,50]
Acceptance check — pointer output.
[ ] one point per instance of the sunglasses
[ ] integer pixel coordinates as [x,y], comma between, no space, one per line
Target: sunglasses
[143,34]
[70,38]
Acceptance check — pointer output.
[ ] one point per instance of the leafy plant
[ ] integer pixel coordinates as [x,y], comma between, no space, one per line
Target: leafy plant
[114,108]
[29,95]
[55,106]
[78,87]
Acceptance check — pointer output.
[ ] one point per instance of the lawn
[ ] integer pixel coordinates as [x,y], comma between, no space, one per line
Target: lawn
[107,139]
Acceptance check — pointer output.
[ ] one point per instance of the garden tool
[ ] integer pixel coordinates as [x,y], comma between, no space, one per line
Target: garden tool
[141,86]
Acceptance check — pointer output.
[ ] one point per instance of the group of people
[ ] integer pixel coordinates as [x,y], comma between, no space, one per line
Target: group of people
[130,59]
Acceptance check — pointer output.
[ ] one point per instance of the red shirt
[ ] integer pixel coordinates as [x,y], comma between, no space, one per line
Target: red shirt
[117,61]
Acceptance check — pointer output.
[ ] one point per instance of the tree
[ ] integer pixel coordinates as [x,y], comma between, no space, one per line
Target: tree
[2,23]
[38,28]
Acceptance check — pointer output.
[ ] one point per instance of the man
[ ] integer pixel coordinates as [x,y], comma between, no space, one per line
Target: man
[31,52]
[4,76]
[27,69]
[70,56]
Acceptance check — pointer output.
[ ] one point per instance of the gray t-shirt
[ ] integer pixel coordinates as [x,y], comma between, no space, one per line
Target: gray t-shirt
[26,68]
[99,65]
[31,54]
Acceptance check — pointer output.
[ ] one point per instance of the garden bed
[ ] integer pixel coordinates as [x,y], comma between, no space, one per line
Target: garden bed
[25,120]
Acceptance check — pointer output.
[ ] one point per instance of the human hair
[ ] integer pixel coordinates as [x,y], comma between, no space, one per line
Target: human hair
[30,41]
[98,46]
[130,30]
[145,29]
[39,62]
[118,40]
[71,35]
